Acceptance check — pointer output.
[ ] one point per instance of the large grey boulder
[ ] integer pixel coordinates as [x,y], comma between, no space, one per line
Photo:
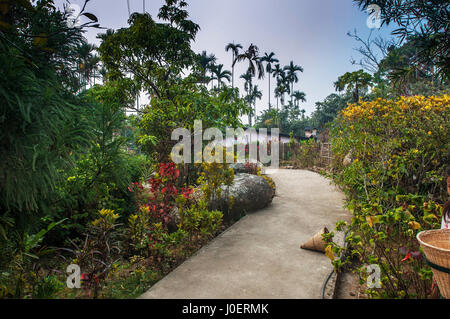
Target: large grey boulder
[249,193]
[242,168]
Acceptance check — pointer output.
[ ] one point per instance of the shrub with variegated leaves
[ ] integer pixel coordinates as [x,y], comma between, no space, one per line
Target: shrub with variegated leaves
[397,152]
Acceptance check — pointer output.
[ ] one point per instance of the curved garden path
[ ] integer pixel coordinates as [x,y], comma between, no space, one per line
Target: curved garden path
[259,256]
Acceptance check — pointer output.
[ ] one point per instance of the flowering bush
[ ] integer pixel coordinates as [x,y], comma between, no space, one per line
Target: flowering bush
[161,197]
[212,177]
[152,231]
[396,153]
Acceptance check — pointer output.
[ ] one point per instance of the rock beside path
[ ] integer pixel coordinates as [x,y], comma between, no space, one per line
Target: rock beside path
[240,168]
[248,193]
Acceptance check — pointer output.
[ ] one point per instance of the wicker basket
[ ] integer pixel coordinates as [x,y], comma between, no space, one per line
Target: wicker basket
[436,246]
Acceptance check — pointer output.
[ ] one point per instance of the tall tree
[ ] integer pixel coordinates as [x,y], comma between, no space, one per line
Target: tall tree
[247,77]
[270,60]
[299,97]
[255,94]
[255,66]
[235,50]
[291,74]
[355,82]
[282,86]
[220,74]
[278,73]
[153,53]
[85,54]
[207,63]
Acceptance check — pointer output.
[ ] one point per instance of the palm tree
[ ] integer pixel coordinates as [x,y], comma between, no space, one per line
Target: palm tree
[255,94]
[277,73]
[277,92]
[254,61]
[303,111]
[235,50]
[283,88]
[207,63]
[247,77]
[269,59]
[220,74]
[299,96]
[355,81]
[248,88]
[282,85]
[84,54]
[291,74]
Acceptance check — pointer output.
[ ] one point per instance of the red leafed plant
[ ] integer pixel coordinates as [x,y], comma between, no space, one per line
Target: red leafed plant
[163,192]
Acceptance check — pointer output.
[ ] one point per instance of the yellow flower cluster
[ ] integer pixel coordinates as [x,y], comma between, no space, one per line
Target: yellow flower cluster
[383,108]
[106,219]
[141,216]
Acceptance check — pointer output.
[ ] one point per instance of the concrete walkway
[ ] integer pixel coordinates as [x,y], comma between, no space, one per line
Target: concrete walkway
[259,256]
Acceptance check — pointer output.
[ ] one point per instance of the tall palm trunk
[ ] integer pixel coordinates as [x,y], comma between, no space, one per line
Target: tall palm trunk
[232,73]
[356,94]
[292,91]
[269,90]
[250,112]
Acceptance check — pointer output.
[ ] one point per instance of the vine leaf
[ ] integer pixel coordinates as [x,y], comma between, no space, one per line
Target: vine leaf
[90,16]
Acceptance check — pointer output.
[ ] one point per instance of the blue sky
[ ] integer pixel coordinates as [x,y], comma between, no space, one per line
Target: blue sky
[312,33]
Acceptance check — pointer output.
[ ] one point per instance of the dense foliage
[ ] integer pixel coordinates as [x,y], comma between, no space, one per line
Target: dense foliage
[82,177]
[394,185]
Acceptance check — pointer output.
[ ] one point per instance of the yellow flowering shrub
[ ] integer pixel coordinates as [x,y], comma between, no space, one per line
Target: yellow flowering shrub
[106,219]
[395,152]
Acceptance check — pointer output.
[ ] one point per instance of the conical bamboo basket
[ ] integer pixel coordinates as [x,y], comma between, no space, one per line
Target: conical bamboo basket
[316,243]
[436,246]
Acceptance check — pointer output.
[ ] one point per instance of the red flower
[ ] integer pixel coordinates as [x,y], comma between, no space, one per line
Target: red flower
[187,192]
[408,256]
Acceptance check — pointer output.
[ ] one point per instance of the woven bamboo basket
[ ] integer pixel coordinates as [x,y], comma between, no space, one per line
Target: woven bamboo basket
[436,246]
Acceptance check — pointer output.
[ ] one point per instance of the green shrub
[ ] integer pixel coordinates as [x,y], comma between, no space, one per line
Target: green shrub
[396,153]
[305,154]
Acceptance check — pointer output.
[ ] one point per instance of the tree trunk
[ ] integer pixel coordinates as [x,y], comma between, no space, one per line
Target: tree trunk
[232,72]
[269,91]
[292,91]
